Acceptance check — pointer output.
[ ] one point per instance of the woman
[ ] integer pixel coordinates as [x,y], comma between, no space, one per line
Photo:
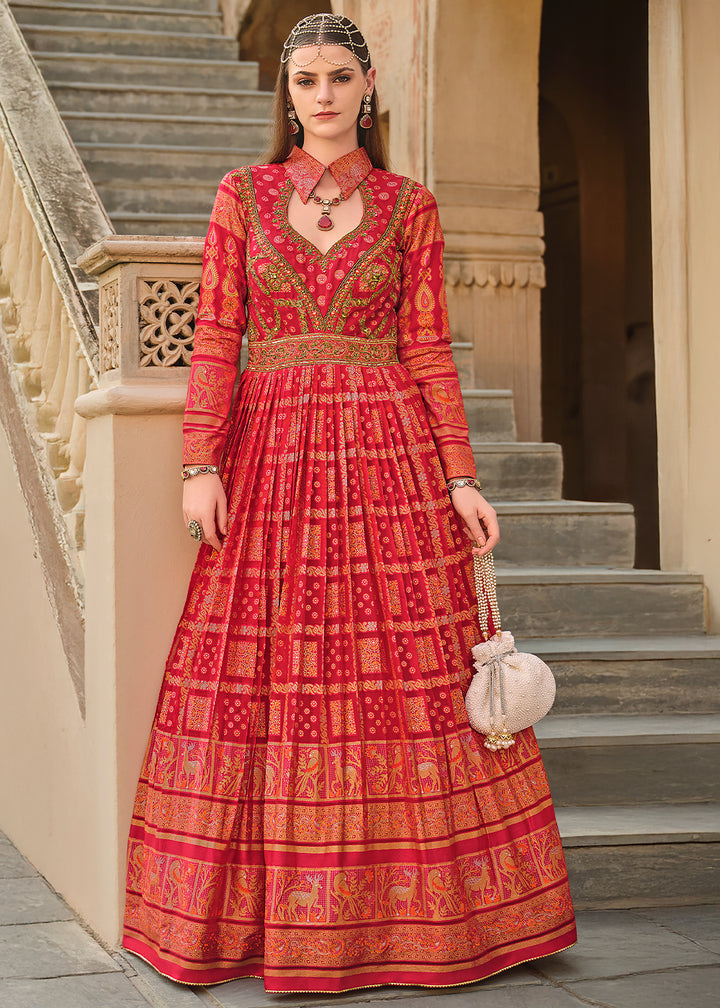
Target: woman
[313,807]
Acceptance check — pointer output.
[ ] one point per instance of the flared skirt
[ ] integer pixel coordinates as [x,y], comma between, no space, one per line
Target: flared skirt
[313,807]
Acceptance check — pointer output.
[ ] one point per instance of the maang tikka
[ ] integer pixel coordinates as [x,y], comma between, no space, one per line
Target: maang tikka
[366,119]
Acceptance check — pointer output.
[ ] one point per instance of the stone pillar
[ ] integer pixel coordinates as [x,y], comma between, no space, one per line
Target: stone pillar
[458,81]
[139,555]
[482,161]
[684,40]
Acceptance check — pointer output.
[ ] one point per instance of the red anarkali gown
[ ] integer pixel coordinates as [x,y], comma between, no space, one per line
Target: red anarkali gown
[313,807]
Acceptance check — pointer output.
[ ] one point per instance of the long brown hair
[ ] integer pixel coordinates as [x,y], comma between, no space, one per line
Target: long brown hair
[282,140]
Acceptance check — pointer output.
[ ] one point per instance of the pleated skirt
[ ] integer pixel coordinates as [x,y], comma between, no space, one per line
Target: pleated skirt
[313,807]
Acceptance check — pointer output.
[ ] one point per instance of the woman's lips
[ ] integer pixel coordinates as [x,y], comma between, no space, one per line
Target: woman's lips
[325,115]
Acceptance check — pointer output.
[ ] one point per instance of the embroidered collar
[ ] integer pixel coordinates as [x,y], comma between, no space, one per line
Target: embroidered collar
[348,171]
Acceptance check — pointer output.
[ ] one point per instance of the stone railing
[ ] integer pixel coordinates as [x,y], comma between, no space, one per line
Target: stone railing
[49,213]
[50,351]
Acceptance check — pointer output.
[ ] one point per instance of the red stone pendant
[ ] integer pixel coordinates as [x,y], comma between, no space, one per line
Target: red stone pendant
[366,121]
[324,223]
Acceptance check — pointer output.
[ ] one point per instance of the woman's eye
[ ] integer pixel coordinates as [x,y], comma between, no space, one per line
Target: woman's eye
[342,79]
[302,83]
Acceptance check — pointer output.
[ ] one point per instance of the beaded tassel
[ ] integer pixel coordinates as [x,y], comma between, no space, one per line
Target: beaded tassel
[499,736]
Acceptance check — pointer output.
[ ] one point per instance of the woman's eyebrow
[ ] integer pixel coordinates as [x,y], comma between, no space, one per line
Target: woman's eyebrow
[309,73]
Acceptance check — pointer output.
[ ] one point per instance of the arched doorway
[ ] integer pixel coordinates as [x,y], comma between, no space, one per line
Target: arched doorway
[597,339]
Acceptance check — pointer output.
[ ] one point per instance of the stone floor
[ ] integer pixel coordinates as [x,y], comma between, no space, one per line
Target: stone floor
[660,958]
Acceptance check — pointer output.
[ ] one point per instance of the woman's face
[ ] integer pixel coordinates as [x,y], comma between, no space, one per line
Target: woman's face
[327,90]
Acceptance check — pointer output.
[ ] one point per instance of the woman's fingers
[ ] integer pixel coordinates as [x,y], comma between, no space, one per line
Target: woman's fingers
[488,518]
[209,528]
[221,514]
[481,523]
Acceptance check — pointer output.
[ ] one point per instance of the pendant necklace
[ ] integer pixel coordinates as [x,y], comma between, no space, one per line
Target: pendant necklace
[325,222]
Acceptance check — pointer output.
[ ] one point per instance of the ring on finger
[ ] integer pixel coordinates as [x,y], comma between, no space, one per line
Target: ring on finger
[195,530]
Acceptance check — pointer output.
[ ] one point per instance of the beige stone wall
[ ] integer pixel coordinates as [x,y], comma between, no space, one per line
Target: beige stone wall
[685,158]
[52,792]
[68,782]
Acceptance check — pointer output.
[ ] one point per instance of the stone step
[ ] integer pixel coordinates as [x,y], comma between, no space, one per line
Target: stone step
[79,96]
[625,759]
[168,19]
[632,675]
[129,128]
[563,533]
[183,130]
[589,602]
[140,70]
[490,414]
[157,197]
[519,470]
[463,360]
[148,164]
[651,855]
[134,42]
[171,225]
[189,5]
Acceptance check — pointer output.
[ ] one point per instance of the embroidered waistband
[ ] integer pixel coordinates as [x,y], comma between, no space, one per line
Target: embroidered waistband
[319,348]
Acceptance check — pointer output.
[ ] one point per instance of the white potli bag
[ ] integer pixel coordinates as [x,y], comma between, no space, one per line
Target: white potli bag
[510,691]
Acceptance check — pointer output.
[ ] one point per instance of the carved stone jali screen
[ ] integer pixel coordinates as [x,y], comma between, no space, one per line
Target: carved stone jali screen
[167,311]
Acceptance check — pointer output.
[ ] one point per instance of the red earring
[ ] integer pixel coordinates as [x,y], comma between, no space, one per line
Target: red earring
[366,119]
[294,128]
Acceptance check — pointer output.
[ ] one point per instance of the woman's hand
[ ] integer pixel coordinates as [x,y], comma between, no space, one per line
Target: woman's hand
[481,523]
[204,500]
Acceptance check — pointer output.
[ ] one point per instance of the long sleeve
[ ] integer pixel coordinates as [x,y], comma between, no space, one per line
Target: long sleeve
[424,336]
[219,331]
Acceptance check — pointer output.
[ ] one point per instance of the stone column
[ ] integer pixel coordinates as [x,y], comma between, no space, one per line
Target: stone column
[139,555]
[684,40]
[458,81]
[482,165]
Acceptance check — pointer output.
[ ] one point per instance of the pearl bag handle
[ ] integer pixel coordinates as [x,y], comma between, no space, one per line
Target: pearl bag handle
[486,588]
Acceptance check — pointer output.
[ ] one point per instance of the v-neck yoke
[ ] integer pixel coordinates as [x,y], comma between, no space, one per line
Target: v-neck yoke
[366,222]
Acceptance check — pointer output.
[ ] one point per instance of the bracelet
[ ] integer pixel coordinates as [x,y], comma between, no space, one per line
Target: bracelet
[196,470]
[463,481]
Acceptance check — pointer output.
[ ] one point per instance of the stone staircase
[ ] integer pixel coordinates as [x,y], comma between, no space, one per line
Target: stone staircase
[155,100]
[632,744]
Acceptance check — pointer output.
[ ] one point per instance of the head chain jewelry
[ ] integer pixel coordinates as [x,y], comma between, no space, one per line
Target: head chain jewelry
[325,29]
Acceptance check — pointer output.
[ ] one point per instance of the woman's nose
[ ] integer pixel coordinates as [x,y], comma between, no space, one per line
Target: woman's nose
[325,94]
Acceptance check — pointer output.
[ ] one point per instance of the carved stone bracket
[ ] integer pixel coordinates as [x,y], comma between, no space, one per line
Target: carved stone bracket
[495,273]
[494,308]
